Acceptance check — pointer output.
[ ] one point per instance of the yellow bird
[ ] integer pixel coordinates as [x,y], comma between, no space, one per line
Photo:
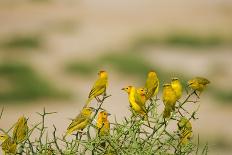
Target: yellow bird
[103,125]
[141,95]
[152,85]
[81,121]
[169,100]
[20,130]
[9,146]
[137,106]
[177,87]
[198,83]
[185,128]
[99,87]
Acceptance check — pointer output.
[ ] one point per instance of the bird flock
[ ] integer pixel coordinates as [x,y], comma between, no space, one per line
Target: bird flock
[138,99]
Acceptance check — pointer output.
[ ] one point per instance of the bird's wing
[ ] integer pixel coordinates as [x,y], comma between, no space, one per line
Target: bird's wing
[203,81]
[98,85]
[79,119]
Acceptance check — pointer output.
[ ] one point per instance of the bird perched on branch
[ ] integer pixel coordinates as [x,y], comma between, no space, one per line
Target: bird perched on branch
[135,104]
[169,100]
[81,121]
[177,87]
[20,130]
[152,85]
[99,87]
[198,83]
[8,144]
[185,129]
[103,124]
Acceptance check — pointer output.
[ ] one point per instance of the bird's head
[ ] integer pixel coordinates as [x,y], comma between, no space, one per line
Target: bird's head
[190,82]
[87,111]
[152,74]
[127,89]
[102,74]
[141,91]
[175,79]
[3,137]
[103,115]
[167,85]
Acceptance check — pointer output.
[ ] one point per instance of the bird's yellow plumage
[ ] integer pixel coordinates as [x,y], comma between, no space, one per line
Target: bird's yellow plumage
[141,96]
[198,83]
[169,99]
[177,87]
[81,121]
[152,85]
[103,124]
[135,104]
[9,146]
[99,86]
[20,130]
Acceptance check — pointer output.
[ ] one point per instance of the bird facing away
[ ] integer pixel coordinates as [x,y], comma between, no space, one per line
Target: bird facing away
[185,129]
[198,83]
[152,85]
[9,146]
[99,87]
[103,125]
[137,106]
[20,130]
[177,87]
[81,121]
[169,99]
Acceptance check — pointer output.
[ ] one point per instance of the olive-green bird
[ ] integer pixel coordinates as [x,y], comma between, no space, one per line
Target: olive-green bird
[185,129]
[99,87]
[198,83]
[152,85]
[9,146]
[20,130]
[169,99]
[81,121]
[177,87]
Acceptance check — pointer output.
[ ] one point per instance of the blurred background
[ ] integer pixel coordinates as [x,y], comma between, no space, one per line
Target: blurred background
[51,51]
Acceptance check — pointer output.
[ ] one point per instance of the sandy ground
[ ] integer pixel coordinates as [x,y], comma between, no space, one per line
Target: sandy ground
[108,25]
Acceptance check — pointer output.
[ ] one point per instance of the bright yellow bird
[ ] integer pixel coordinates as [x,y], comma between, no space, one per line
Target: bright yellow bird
[198,83]
[169,100]
[137,106]
[81,121]
[141,95]
[152,85]
[20,130]
[9,146]
[185,128]
[103,125]
[177,87]
[99,86]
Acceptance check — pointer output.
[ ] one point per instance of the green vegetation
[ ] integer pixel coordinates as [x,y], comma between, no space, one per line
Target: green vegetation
[132,135]
[22,42]
[22,83]
[83,68]
[222,95]
[180,40]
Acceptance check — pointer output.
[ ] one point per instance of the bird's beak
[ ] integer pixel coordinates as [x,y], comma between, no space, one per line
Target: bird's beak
[108,114]
[123,88]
